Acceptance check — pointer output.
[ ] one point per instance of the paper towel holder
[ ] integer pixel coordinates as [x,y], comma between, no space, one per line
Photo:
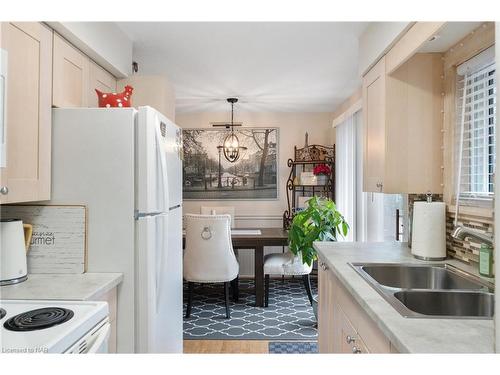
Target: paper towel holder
[424,246]
[429,197]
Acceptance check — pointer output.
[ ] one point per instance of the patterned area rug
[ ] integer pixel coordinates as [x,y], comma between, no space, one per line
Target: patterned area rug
[288,317]
[293,347]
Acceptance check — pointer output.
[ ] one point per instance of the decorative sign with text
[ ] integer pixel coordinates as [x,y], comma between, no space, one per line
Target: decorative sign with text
[58,244]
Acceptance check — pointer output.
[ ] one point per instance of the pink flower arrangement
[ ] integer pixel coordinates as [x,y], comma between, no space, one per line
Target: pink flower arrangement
[322,169]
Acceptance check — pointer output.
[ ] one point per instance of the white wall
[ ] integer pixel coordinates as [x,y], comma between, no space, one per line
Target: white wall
[153,90]
[292,128]
[376,40]
[104,42]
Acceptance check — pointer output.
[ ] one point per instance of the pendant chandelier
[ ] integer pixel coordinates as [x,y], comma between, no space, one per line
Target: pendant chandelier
[231,146]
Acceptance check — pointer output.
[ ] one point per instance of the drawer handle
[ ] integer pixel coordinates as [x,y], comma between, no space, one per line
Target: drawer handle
[350,339]
[356,350]
[4,190]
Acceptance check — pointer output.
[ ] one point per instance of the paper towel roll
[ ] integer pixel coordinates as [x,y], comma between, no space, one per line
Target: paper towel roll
[429,230]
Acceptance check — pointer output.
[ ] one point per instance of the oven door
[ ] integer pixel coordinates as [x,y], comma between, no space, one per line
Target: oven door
[96,341]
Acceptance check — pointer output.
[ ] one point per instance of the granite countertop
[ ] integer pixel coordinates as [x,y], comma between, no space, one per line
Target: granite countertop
[408,335]
[81,287]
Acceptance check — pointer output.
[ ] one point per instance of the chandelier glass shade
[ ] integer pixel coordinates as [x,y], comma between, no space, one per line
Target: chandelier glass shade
[231,147]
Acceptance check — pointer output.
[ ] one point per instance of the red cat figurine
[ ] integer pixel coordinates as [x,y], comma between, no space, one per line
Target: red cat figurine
[112,99]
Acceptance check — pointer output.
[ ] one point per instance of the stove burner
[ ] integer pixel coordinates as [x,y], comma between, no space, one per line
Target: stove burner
[38,319]
[2,313]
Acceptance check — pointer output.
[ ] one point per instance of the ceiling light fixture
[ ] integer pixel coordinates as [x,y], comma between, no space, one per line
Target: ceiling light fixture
[231,146]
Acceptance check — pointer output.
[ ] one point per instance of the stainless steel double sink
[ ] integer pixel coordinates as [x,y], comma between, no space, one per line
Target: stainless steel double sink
[430,290]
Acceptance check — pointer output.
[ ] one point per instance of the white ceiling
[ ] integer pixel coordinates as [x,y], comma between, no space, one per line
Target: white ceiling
[286,66]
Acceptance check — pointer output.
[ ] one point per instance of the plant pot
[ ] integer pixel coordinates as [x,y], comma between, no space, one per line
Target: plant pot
[321,179]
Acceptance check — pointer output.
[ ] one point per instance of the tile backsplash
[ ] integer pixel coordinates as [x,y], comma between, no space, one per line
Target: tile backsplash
[468,250]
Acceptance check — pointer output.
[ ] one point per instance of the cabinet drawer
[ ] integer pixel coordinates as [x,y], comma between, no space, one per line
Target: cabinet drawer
[351,341]
[366,328]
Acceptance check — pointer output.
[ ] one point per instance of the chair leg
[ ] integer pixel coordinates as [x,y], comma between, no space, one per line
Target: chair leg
[190,299]
[226,297]
[236,289]
[266,291]
[307,284]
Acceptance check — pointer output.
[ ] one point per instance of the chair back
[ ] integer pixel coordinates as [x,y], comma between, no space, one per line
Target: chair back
[218,210]
[209,254]
[295,266]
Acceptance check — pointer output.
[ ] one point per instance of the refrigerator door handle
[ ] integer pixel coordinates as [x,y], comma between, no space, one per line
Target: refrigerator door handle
[160,256]
[163,167]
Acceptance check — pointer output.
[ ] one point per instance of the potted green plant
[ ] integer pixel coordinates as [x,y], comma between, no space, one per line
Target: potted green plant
[319,221]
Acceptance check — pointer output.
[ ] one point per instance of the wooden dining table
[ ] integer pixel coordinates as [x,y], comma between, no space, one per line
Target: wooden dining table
[257,242]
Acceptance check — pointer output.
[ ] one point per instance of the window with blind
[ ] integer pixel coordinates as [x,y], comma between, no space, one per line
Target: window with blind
[475,131]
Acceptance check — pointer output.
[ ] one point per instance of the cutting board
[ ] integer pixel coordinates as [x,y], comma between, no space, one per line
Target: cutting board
[59,241]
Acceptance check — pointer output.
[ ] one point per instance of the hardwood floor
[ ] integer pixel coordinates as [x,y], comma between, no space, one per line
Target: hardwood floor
[226,347]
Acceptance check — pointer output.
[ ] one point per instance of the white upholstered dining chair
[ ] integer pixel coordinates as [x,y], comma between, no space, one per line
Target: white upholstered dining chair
[209,255]
[286,264]
[219,210]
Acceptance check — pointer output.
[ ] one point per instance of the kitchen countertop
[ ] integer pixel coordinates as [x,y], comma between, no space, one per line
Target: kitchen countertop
[408,335]
[81,287]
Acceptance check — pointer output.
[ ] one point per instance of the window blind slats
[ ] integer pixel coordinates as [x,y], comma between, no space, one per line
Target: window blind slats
[478,147]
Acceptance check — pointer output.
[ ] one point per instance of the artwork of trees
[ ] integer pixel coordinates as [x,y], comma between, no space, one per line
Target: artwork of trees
[208,175]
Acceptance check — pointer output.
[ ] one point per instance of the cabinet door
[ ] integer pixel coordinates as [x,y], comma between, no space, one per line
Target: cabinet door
[99,79]
[28,106]
[71,75]
[374,127]
[325,310]
[350,341]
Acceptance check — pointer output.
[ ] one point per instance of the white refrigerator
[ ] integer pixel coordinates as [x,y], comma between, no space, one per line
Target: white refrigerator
[125,166]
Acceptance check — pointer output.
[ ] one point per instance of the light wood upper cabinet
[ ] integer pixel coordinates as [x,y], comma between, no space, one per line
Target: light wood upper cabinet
[99,79]
[71,75]
[28,105]
[374,123]
[410,43]
[403,120]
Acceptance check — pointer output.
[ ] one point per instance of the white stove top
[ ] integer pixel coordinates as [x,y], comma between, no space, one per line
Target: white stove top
[55,339]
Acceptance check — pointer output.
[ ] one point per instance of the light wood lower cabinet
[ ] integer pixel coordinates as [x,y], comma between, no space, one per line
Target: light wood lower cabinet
[349,340]
[343,326]
[26,176]
[325,309]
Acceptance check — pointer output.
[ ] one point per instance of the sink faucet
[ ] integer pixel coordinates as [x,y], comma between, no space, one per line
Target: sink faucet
[460,232]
